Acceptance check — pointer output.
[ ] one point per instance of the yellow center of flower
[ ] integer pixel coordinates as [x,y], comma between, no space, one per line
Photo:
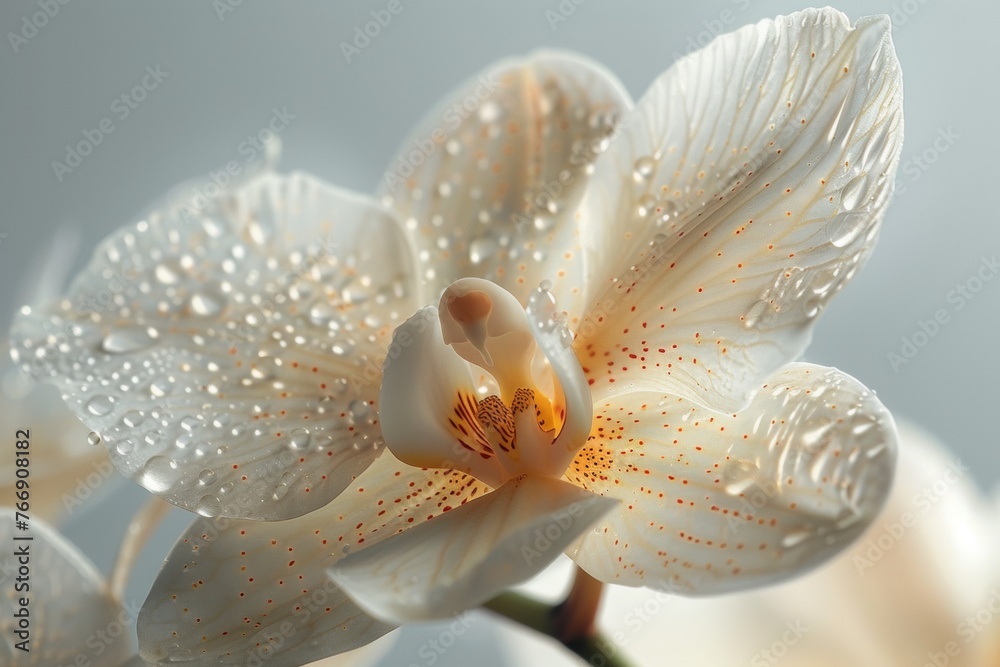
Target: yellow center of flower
[486,386]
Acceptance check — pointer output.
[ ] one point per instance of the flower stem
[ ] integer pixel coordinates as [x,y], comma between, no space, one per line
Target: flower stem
[138,532]
[576,617]
[593,648]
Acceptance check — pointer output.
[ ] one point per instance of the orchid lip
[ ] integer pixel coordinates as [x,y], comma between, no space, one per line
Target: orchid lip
[490,387]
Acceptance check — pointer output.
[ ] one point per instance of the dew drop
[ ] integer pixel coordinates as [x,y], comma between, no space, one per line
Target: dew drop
[160,387]
[321,313]
[738,476]
[644,168]
[645,205]
[284,484]
[168,273]
[796,537]
[206,477]
[209,505]
[256,232]
[846,227]
[359,410]
[299,439]
[753,316]
[93,439]
[227,488]
[205,304]
[130,339]
[132,418]
[99,405]
[852,193]
[158,473]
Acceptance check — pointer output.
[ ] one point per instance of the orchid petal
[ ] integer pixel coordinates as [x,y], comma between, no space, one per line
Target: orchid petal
[233,589]
[714,503]
[745,190]
[485,183]
[71,613]
[463,558]
[229,355]
[922,567]
[62,452]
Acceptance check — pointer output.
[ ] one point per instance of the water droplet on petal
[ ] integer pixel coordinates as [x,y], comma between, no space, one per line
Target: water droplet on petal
[796,537]
[644,168]
[299,439]
[132,418]
[645,205]
[753,316]
[93,439]
[130,339]
[158,473]
[846,227]
[852,193]
[359,410]
[99,405]
[284,484]
[738,476]
[168,272]
[206,477]
[205,304]
[209,505]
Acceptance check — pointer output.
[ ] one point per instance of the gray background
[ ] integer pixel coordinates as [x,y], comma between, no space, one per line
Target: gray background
[227,73]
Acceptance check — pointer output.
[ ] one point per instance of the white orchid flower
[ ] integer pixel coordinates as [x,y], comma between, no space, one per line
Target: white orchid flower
[920,587]
[616,296]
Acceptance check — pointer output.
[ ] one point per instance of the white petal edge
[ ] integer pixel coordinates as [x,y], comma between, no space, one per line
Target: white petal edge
[746,189]
[463,558]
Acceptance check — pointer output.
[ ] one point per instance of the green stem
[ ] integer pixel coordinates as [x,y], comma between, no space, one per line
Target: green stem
[595,650]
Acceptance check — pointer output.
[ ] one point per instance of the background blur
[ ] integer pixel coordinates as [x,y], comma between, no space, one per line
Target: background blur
[228,65]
